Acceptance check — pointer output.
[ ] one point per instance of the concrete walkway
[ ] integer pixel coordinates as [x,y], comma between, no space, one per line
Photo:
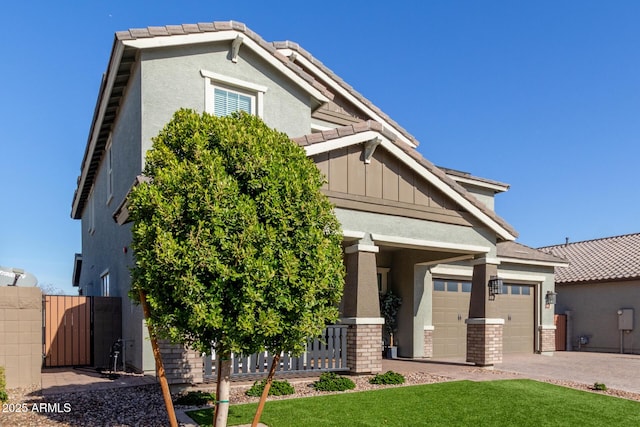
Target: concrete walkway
[68,380]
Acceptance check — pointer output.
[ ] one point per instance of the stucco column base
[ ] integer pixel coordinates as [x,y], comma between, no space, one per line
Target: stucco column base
[484,341]
[364,346]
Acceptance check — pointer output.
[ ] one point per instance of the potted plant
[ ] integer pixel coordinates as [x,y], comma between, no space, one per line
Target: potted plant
[389,306]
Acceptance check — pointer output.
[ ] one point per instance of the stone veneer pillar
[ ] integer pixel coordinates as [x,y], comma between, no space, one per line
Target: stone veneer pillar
[484,341]
[484,331]
[547,339]
[428,341]
[361,309]
[181,365]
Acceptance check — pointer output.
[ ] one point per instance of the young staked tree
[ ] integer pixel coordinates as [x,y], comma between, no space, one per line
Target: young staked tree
[235,245]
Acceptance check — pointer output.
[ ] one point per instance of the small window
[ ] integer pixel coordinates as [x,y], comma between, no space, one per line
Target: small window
[526,290]
[466,287]
[227,102]
[382,274]
[224,95]
[438,285]
[109,167]
[104,280]
[452,286]
[515,289]
[91,214]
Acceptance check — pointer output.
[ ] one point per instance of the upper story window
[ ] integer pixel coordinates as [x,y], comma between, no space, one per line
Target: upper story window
[227,102]
[224,95]
[109,167]
[91,214]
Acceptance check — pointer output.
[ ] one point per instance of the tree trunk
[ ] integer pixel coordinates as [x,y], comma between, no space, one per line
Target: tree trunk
[164,385]
[265,392]
[223,387]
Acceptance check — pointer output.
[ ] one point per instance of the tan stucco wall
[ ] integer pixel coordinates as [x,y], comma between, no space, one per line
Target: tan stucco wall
[594,314]
[21,335]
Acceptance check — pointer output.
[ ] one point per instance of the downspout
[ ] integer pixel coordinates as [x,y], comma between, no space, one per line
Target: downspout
[537,343]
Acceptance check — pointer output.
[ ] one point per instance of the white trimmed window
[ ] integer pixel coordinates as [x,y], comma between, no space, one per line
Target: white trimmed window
[382,273]
[109,167]
[225,95]
[91,213]
[104,282]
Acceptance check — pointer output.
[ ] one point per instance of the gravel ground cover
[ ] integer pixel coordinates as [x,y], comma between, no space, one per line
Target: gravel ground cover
[144,406]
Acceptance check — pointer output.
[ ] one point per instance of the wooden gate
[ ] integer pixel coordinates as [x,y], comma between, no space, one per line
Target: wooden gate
[560,321]
[67,330]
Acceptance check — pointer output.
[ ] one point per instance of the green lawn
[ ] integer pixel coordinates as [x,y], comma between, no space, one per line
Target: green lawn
[459,403]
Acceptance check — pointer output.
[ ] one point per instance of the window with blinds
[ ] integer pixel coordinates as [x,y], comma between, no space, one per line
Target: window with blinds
[227,102]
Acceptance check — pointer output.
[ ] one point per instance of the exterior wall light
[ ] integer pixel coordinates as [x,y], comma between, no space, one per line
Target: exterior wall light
[495,287]
[550,298]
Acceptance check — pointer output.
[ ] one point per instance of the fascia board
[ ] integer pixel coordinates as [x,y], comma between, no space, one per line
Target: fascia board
[114,63]
[406,242]
[177,40]
[477,183]
[337,143]
[326,80]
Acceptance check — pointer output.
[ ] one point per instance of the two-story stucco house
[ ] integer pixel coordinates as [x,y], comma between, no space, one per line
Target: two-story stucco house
[428,233]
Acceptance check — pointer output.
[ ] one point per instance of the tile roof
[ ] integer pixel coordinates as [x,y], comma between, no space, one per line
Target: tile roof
[607,259]
[316,138]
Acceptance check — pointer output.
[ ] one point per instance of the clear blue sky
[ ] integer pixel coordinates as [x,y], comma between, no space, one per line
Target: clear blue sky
[543,95]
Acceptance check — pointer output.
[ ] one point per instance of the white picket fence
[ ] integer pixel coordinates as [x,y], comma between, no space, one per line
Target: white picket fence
[328,353]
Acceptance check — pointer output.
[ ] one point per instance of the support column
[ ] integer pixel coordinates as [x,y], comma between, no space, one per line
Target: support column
[361,309]
[484,329]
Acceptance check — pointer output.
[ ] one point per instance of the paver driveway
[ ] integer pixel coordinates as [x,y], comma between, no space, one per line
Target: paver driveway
[619,371]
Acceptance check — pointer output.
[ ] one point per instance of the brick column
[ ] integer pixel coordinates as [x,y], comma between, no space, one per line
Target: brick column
[484,330]
[181,365]
[364,349]
[428,341]
[361,309]
[484,341]
[547,339]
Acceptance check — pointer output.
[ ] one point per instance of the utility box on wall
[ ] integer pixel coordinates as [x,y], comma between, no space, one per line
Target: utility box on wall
[625,319]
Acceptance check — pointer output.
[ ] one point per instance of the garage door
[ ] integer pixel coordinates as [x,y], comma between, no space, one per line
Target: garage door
[516,306]
[450,310]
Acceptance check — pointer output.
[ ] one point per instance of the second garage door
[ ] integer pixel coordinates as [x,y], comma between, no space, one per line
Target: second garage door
[516,306]
[451,308]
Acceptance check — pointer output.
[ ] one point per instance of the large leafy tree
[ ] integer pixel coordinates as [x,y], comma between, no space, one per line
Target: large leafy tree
[235,244]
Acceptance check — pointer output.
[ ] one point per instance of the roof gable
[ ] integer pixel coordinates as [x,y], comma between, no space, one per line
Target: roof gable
[606,259]
[364,132]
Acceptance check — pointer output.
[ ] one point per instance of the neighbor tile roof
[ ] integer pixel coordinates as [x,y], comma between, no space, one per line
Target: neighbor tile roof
[607,259]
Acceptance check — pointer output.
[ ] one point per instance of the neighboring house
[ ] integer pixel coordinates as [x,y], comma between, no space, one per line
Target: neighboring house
[431,234]
[600,293]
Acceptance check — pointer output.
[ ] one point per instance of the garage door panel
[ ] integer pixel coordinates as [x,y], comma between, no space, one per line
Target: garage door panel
[516,307]
[450,309]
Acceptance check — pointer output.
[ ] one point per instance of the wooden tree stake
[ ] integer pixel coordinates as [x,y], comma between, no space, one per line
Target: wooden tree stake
[166,394]
[265,392]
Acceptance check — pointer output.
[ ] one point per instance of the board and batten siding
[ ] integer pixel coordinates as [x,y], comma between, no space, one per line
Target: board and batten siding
[385,185]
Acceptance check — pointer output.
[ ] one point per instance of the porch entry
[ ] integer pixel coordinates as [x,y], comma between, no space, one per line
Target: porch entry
[328,353]
[451,308]
[79,330]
